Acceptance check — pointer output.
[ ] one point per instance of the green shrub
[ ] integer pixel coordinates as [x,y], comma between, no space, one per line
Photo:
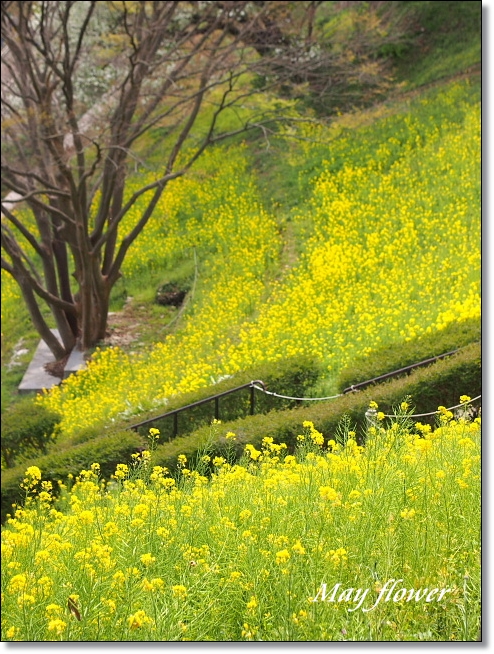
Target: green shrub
[27,430]
[290,377]
[441,383]
[85,435]
[399,355]
[108,451]
[293,377]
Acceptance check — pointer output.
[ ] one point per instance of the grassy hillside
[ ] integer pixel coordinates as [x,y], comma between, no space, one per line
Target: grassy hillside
[333,238]
[321,254]
[446,40]
[384,247]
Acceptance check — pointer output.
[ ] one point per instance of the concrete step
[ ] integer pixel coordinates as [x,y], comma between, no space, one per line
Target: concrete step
[36,378]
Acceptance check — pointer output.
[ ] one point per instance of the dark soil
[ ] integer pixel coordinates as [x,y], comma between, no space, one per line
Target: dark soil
[56,368]
[170,295]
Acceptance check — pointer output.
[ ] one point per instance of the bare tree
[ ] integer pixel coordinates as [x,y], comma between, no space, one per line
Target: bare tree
[82,83]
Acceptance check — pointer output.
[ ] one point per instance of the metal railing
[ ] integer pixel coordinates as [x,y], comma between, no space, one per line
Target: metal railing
[425,362]
[256,383]
[213,398]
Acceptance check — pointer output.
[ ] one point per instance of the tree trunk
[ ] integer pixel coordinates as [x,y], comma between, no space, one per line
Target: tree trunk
[57,349]
[92,305]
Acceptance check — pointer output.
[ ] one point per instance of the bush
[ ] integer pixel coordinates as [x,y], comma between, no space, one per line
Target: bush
[293,376]
[86,434]
[399,355]
[441,383]
[27,430]
[108,451]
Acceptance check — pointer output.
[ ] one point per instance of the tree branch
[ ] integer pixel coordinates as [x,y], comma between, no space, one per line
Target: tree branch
[12,248]
[30,238]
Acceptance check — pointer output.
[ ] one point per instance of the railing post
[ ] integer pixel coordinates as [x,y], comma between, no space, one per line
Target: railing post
[216,399]
[370,416]
[252,400]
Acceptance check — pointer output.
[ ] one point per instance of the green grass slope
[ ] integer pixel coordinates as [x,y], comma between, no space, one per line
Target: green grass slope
[336,241]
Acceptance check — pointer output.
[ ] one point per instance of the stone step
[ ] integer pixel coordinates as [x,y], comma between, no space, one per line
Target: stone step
[75,362]
[36,378]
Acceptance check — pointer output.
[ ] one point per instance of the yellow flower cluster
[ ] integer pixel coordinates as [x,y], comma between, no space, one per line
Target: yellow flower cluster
[246,543]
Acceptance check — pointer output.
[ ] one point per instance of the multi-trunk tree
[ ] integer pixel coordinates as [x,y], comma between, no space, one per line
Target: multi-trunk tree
[82,84]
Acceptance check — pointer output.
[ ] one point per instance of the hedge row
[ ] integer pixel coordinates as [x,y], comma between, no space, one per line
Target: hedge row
[111,445]
[400,355]
[27,429]
[108,451]
[293,376]
[441,383]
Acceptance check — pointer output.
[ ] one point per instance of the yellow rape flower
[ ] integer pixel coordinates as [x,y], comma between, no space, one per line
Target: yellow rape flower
[26,599]
[122,471]
[148,559]
[86,517]
[119,578]
[179,591]
[138,619]
[282,556]
[338,556]
[248,632]
[12,632]
[34,472]
[317,437]
[328,493]
[157,583]
[111,604]
[53,608]
[110,528]
[17,583]
[57,625]
[253,453]
[13,565]
[252,604]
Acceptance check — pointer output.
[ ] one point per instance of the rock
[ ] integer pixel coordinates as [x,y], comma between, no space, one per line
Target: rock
[170,295]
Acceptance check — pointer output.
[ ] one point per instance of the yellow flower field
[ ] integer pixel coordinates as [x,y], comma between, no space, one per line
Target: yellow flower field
[333,542]
[390,245]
